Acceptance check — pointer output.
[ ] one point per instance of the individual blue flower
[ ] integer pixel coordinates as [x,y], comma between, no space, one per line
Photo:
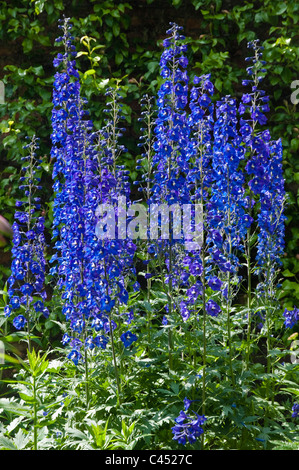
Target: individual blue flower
[15,302]
[187,403]
[295,410]
[66,339]
[19,322]
[101,341]
[128,338]
[38,306]
[110,326]
[214,283]
[291,317]
[89,343]
[75,356]
[212,308]
[7,310]
[184,311]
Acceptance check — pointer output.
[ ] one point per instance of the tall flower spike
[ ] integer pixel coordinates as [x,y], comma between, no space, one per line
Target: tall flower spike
[227,205]
[271,218]
[172,131]
[112,252]
[198,179]
[26,283]
[264,166]
[170,161]
[75,180]
[170,158]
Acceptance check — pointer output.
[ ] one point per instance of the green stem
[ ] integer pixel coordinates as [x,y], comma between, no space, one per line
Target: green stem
[170,333]
[114,362]
[204,339]
[34,415]
[249,294]
[86,378]
[228,304]
[28,326]
[268,339]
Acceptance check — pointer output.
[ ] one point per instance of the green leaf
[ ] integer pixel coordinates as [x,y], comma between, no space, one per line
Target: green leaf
[88,73]
[116,29]
[14,407]
[21,439]
[81,53]
[293,391]
[287,273]
[7,444]
[118,58]
[27,398]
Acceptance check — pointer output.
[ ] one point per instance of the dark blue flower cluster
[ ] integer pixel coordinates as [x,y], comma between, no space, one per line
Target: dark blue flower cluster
[170,151]
[26,284]
[90,270]
[227,205]
[198,180]
[264,166]
[295,410]
[172,131]
[291,318]
[188,427]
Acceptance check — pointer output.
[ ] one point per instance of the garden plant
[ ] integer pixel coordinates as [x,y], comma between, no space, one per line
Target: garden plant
[145,313]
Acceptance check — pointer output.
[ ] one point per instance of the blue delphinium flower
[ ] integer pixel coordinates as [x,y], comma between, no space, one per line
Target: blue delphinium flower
[227,205]
[75,356]
[198,178]
[73,175]
[19,322]
[128,338]
[170,153]
[291,317]
[271,217]
[295,410]
[171,130]
[214,283]
[188,426]
[265,173]
[111,255]
[26,283]
[90,271]
[212,308]
[201,124]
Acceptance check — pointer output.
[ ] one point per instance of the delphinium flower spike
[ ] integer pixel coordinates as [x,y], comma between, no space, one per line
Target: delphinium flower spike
[113,252]
[228,219]
[199,180]
[266,187]
[75,179]
[252,110]
[144,186]
[26,283]
[170,155]
[264,164]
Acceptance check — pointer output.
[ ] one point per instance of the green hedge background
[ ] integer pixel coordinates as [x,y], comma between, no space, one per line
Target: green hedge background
[123,41]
